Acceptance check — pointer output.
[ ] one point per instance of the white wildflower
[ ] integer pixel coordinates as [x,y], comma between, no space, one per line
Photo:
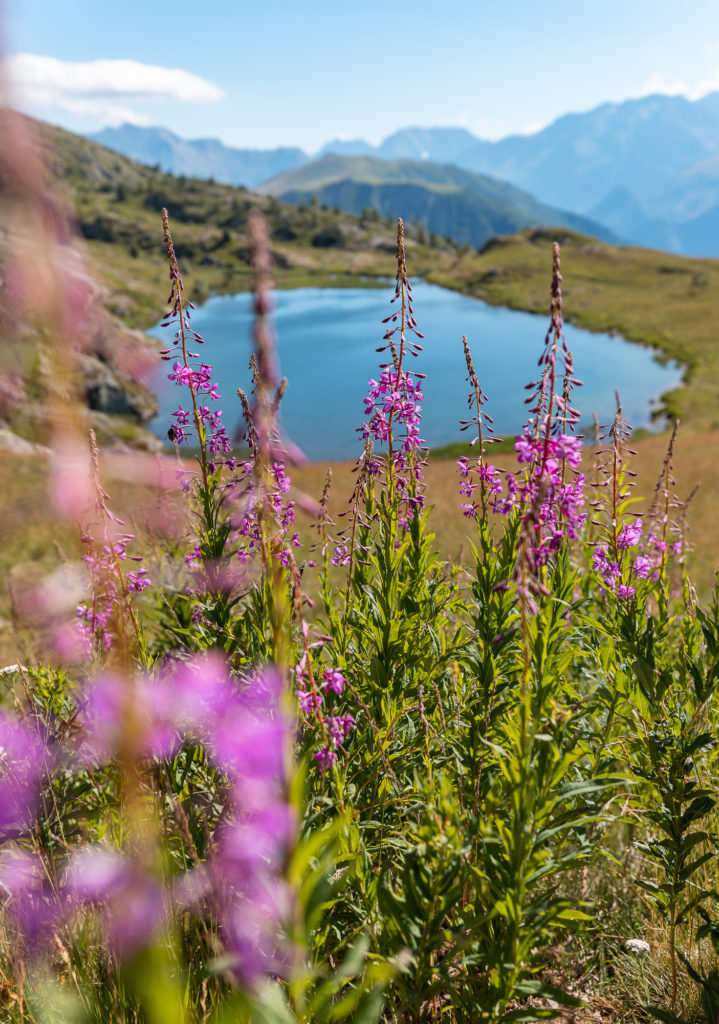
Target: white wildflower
[637,946]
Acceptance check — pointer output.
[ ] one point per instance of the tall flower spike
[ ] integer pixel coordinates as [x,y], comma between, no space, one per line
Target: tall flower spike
[394,399]
[666,519]
[611,558]
[190,373]
[102,622]
[487,476]
[545,446]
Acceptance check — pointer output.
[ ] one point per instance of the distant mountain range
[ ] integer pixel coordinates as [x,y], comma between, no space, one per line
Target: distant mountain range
[445,199]
[647,169]
[199,158]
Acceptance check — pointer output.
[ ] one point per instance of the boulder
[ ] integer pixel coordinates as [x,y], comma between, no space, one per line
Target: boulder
[108,392]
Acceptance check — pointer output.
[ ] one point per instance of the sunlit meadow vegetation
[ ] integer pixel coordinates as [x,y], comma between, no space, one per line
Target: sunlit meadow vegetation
[248,775]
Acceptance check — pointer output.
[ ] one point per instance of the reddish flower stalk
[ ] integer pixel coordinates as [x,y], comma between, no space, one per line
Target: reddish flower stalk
[178,313]
[102,622]
[625,539]
[394,399]
[488,475]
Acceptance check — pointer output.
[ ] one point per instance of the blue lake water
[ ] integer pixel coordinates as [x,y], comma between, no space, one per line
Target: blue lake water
[326,344]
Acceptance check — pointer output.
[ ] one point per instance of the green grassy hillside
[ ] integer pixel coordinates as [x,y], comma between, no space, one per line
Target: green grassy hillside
[668,302]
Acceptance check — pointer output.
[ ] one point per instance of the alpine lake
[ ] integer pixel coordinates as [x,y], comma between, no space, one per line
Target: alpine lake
[327,340]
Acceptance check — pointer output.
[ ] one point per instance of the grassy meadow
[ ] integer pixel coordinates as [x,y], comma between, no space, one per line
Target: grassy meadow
[438,744]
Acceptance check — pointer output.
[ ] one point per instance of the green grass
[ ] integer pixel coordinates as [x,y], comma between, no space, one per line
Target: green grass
[670,303]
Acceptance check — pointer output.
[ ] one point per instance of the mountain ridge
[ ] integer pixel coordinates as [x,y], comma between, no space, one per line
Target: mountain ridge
[663,150]
[444,199]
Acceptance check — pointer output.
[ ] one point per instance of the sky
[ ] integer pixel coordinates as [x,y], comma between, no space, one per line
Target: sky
[265,73]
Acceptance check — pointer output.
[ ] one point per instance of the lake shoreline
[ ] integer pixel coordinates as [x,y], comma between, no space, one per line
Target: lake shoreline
[664,409]
[327,349]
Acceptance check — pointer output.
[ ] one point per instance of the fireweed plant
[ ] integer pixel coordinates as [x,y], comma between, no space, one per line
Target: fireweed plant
[415,797]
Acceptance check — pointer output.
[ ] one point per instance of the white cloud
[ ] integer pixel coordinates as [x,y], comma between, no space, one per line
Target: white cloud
[532,127]
[100,88]
[658,83]
[478,125]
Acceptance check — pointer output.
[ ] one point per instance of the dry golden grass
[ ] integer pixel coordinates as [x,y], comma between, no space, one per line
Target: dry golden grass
[696,463]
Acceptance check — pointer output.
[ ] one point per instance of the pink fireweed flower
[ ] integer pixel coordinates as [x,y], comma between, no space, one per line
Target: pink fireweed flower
[117,709]
[552,486]
[630,535]
[642,567]
[250,741]
[34,906]
[610,571]
[614,575]
[248,738]
[132,901]
[338,729]
[393,403]
[334,679]
[23,760]
[109,586]
[325,758]
[333,729]
[341,555]
[245,732]
[476,474]
[138,581]
[309,701]
[246,521]
[561,508]
[395,396]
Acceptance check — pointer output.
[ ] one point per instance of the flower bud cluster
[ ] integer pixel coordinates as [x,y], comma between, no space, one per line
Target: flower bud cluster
[311,696]
[107,581]
[637,558]
[246,521]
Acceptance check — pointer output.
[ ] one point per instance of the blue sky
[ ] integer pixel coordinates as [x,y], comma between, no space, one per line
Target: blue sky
[273,72]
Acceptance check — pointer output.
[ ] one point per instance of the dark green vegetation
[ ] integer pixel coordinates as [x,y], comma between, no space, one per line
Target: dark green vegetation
[445,200]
